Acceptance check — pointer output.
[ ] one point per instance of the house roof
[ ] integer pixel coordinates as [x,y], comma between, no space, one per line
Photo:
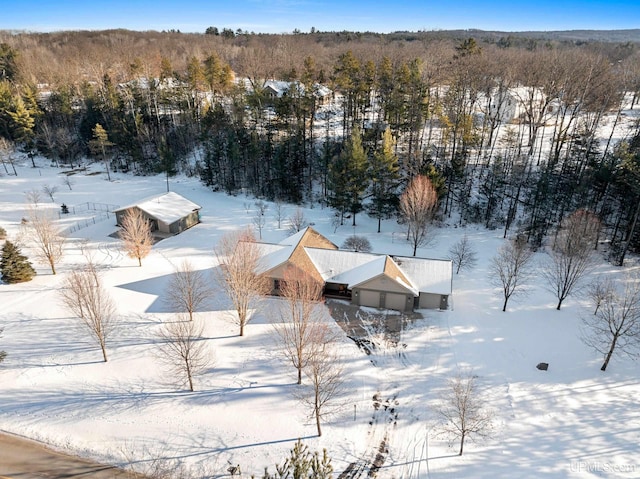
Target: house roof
[273,255]
[289,248]
[167,207]
[331,264]
[280,87]
[428,275]
[355,268]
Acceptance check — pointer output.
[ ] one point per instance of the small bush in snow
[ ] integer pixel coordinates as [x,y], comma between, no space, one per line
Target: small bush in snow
[357,243]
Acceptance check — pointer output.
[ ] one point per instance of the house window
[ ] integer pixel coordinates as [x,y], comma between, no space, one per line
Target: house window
[276,284]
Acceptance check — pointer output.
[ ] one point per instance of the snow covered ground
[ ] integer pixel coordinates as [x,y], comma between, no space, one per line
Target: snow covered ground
[572,421]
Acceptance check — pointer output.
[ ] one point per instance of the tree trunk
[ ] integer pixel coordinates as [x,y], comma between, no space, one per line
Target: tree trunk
[610,353]
[318,421]
[106,167]
[379,221]
[104,351]
[189,376]
[299,374]
[559,304]
[461,444]
[630,235]
[504,306]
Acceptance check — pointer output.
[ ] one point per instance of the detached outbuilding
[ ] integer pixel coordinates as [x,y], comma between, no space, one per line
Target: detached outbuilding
[168,213]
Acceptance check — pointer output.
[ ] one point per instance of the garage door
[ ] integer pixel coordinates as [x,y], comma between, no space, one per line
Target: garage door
[370,298]
[396,301]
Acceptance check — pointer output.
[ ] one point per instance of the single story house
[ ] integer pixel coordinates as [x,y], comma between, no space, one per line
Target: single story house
[366,279]
[274,89]
[168,213]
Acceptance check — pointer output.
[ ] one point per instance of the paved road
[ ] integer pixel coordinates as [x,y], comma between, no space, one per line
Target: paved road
[24,459]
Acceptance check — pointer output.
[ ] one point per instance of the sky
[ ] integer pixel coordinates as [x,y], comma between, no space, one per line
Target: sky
[282,16]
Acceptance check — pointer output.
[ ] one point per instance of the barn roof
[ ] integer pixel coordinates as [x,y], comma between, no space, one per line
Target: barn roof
[167,207]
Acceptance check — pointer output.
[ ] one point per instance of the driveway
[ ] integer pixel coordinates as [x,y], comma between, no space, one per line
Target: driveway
[24,459]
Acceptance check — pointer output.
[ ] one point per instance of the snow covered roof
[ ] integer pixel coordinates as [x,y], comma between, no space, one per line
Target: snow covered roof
[331,264]
[355,268]
[273,255]
[279,87]
[428,275]
[167,207]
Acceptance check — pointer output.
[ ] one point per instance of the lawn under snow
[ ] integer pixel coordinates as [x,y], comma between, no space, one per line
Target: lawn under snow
[570,421]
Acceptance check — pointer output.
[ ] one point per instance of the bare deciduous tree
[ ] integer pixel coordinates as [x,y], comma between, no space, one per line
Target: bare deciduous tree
[50,191]
[261,207]
[571,257]
[239,273]
[67,181]
[135,234]
[41,230]
[84,296]
[600,290]
[7,148]
[188,289]
[259,219]
[297,221]
[33,197]
[616,324]
[417,205]
[300,326]
[463,255]
[279,211]
[463,411]
[326,384]
[510,268]
[183,350]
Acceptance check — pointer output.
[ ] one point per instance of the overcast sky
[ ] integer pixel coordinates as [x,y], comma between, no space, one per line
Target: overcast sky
[280,16]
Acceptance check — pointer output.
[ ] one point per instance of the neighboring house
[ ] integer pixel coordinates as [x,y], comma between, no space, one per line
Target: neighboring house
[167,213]
[274,89]
[366,279]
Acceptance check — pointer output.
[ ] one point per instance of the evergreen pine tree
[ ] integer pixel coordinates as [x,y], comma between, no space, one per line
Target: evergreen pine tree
[14,267]
[99,145]
[383,173]
[348,176]
[302,464]
[337,185]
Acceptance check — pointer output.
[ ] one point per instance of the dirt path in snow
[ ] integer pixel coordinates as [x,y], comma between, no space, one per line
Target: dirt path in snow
[379,334]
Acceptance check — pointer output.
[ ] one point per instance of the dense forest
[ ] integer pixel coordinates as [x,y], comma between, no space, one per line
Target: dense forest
[516,132]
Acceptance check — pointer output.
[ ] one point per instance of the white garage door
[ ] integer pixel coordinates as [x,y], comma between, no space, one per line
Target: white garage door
[370,298]
[396,301]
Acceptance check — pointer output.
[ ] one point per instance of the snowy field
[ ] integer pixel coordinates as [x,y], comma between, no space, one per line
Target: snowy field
[572,421]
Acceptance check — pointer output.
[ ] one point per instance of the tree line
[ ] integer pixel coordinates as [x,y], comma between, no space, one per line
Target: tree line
[509,132]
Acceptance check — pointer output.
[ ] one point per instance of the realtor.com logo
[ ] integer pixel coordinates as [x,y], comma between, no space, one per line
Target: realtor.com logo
[595,466]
